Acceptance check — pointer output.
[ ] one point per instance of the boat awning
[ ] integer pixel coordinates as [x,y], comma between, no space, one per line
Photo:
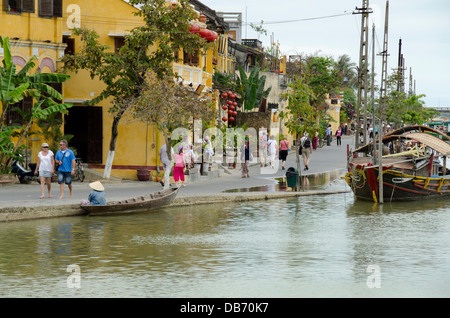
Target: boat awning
[423,134]
[431,141]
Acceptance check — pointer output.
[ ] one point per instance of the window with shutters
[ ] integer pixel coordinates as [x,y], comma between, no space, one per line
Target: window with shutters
[50,8]
[18,6]
[191,59]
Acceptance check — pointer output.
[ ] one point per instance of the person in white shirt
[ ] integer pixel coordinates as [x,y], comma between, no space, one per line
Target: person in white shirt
[45,166]
[166,162]
[272,147]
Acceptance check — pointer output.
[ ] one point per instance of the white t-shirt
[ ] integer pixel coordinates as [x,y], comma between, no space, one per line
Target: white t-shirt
[46,161]
[272,146]
[163,154]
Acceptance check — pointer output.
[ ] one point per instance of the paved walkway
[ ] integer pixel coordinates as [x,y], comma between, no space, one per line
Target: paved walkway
[325,159]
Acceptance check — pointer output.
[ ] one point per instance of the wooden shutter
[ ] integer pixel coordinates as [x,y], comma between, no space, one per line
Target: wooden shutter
[57,8]
[46,8]
[28,6]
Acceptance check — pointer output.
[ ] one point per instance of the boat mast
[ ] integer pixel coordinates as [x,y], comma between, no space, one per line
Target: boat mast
[383,94]
[362,73]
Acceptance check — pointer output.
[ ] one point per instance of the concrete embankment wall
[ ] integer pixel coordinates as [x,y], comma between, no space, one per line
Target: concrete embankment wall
[40,212]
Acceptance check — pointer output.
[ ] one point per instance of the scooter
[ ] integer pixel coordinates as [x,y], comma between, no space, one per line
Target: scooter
[25,176]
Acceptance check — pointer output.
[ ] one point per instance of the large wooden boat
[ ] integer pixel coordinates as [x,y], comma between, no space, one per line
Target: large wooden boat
[143,203]
[414,166]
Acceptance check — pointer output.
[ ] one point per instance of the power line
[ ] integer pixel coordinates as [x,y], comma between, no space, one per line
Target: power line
[302,20]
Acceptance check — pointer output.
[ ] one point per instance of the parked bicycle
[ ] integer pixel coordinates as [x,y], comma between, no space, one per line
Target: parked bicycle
[79,170]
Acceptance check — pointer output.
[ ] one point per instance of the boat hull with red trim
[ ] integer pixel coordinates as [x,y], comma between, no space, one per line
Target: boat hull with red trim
[397,186]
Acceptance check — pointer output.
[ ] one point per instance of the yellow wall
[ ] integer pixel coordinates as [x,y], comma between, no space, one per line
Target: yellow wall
[137,145]
[31,35]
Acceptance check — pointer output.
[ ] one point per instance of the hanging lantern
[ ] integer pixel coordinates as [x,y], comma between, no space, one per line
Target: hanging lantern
[230,112]
[213,36]
[234,113]
[232,107]
[230,102]
[234,104]
[229,93]
[231,119]
[224,95]
[194,28]
[233,96]
[224,107]
[204,33]
[224,119]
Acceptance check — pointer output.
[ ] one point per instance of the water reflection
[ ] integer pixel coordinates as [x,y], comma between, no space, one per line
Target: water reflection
[319,181]
[314,246]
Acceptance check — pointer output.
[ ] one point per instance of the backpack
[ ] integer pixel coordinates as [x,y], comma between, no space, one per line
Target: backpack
[307,143]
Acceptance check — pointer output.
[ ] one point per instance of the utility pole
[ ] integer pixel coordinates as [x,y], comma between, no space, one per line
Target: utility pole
[373,92]
[383,93]
[362,72]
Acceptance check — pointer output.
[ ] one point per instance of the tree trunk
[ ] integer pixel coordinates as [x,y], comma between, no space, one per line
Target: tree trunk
[112,144]
[169,155]
[299,168]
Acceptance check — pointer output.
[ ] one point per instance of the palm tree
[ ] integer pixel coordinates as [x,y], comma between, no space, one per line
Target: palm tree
[346,71]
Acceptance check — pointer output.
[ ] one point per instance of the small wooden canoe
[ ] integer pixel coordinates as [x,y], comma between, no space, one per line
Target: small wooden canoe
[134,205]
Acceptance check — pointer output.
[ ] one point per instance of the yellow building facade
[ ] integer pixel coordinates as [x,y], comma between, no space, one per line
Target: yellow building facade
[48,36]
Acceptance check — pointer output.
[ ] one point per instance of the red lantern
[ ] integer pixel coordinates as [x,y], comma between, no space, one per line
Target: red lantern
[224,95]
[230,112]
[229,93]
[224,119]
[234,114]
[231,119]
[232,108]
[224,107]
[233,96]
[230,102]
[194,28]
[204,33]
[213,36]
[234,104]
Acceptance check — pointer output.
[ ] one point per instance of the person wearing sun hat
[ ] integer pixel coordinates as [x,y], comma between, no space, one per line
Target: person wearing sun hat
[97,195]
[45,167]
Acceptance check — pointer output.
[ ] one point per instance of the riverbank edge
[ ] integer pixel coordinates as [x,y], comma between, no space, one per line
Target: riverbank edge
[30,213]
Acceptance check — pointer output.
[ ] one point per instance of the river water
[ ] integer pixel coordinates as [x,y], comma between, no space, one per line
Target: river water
[314,246]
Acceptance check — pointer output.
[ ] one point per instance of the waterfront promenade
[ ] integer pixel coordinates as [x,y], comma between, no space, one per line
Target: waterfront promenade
[21,201]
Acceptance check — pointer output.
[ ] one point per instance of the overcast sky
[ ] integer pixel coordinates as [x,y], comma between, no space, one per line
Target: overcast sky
[423,26]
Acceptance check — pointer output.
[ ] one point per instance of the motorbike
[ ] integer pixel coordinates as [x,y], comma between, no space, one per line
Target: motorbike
[24,175]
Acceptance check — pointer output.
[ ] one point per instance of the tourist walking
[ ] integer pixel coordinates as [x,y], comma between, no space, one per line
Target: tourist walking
[305,146]
[329,135]
[65,158]
[284,148]
[178,169]
[45,166]
[246,156]
[165,161]
[338,136]
[315,141]
[262,144]
[272,148]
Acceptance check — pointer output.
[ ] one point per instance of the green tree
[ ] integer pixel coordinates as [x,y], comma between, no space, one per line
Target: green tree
[14,88]
[124,73]
[168,106]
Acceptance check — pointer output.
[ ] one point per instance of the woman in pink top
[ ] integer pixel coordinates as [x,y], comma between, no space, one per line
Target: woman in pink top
[284,147]
[178,170]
